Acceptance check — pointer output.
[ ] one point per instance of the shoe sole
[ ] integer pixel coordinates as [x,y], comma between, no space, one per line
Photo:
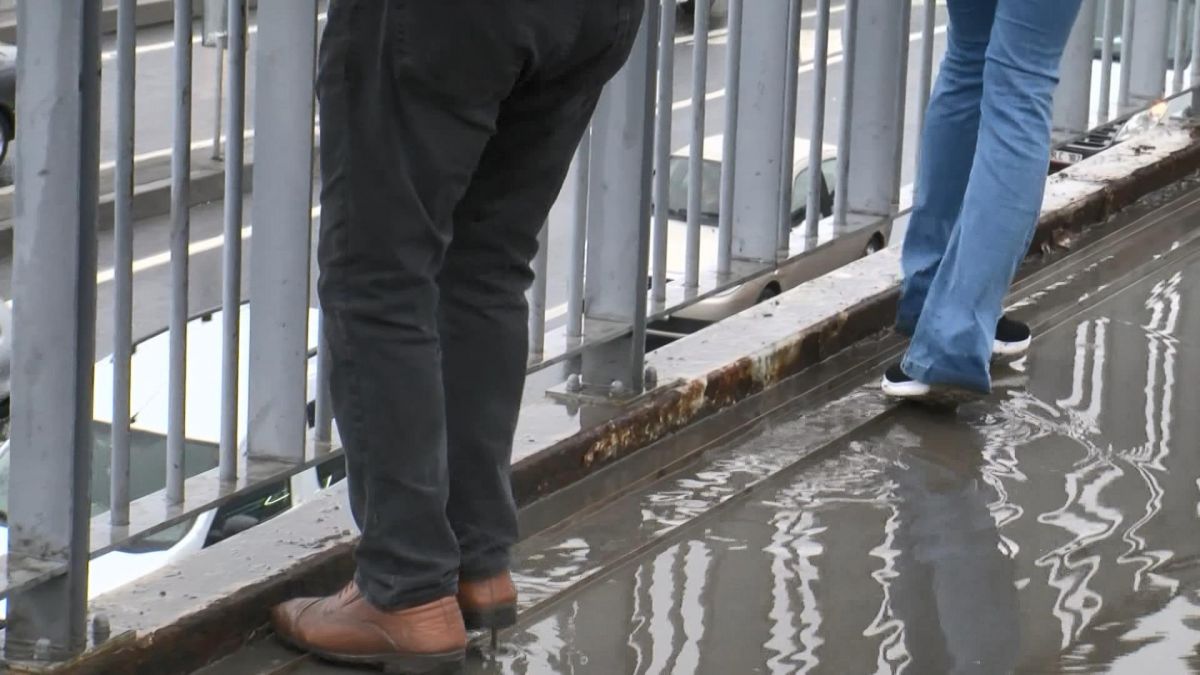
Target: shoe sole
[1005,352]
[939,397]
[494,618]
[445,663]
[906,390]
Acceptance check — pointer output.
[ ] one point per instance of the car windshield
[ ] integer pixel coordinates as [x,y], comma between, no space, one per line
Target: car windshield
[147,474]
[710,190]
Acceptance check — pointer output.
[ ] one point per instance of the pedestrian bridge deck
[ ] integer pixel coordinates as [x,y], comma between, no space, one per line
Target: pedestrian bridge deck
[1049,527]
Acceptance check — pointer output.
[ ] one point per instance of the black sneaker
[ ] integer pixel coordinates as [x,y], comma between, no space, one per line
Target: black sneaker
[1013,339]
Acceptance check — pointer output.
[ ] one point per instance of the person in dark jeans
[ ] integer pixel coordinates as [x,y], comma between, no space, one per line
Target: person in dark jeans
[447,129]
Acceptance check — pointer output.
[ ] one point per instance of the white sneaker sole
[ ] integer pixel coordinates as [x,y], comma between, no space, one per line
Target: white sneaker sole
[919,392]
[1007,351]
[910,389]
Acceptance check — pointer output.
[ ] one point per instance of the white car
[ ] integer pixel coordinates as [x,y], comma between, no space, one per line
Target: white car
[148,396]
[829,253]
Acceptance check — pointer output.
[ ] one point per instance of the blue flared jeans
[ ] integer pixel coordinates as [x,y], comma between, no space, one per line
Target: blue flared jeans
[980,182]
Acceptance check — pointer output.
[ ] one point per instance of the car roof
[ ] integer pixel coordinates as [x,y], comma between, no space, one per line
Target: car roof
[714,150]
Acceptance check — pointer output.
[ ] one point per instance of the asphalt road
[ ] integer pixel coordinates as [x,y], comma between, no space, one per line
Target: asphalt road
[155,68]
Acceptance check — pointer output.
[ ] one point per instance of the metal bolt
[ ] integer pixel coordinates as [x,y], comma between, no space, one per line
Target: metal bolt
[651,377]
[574,383]
[616,389]
[41,650]
[101,629]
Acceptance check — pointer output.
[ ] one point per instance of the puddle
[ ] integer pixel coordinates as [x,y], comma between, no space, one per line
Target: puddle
[1050,528]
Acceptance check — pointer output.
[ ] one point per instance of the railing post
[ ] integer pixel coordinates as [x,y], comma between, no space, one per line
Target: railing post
[536,297]
[54,346]
[282,217]
[874,126]
[733,87]
[231,265]
[1148,51]
[181,235]
[662,145]
[618,231]
[1107,49]
[1195,58]
[579,216]
[760,136]
[123,263]
[788,159]
[1072,101]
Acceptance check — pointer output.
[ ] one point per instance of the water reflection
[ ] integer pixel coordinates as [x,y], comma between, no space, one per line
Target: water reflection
[1052,528]
[783,582]
[954,591]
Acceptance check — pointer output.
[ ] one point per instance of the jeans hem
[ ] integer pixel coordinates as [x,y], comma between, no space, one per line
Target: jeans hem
[933,374]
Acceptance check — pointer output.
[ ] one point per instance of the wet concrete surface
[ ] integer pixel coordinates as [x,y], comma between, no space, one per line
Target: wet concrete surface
[1051,527]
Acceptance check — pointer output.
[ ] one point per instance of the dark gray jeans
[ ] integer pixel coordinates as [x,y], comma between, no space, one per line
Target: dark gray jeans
[447,127]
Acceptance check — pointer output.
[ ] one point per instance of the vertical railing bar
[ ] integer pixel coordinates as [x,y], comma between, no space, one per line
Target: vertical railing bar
[845,133]
[181,169]
[218,148]
[537,299]
[322,397]
[817,133]
[322,405]
[1106,61]
[787,164]
[89,195]
[733,66]
[696,149]
[928,31]
[123,262]
[1125,87]
[901,105]
[575,280]
[637,347]
[662,149]
[1196,58]
[1180,45]
[232,269]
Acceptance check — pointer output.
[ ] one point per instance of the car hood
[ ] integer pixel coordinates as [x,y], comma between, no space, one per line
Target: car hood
[677,231]
[149,378]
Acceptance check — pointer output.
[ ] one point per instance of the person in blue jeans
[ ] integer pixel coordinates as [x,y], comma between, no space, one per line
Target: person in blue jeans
[983,163]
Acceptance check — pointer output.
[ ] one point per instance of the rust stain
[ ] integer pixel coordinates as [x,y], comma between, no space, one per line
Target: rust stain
[677,408]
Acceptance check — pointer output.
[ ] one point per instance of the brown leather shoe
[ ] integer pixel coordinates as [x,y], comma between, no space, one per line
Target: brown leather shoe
[346,628]
[488,603]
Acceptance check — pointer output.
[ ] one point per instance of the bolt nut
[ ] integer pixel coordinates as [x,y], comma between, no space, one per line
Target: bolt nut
[651,377]
[574,383]
[616,389]
[101,629]
[41,650]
